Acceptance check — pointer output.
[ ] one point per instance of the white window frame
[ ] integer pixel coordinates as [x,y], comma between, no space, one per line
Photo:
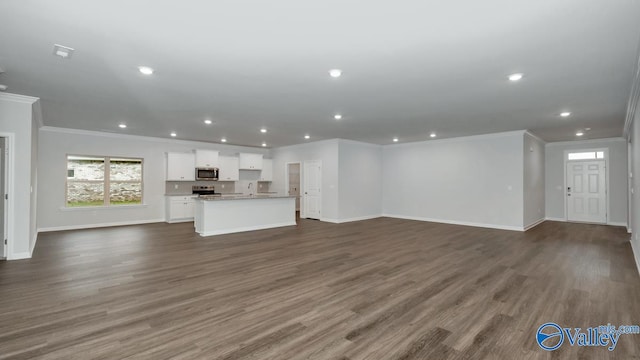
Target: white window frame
[106,181]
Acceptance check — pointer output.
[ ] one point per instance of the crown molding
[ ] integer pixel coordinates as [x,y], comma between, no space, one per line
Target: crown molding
[459,138]
[360,143]
[18,98]
[528,132]
[588,141]
[195,144]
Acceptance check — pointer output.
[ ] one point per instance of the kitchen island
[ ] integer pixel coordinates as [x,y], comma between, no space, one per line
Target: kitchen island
[216,215]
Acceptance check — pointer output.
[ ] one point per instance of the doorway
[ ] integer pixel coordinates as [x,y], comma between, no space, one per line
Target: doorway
[293,182]
[312,180]
[586,187]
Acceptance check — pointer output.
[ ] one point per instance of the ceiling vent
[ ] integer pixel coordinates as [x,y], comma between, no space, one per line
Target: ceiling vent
[64,52]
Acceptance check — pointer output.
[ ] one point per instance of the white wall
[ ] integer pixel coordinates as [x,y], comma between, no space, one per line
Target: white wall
[555,173]
[534,180]
[635,183]
[360,180]
[475,180]
[327,152]
[36,123]
[56,143]
[16,118]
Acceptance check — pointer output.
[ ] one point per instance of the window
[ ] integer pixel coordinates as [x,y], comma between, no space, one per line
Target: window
[103,181]
[589,155]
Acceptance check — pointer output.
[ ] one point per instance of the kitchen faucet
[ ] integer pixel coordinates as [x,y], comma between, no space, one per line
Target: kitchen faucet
[249,187]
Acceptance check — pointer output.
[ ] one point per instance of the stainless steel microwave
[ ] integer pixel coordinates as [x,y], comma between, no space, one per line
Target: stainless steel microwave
[210,174]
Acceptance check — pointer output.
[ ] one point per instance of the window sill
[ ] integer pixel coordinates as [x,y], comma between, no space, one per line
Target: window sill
[114,207]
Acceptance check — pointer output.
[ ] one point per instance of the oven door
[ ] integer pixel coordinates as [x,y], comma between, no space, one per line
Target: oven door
[207,174]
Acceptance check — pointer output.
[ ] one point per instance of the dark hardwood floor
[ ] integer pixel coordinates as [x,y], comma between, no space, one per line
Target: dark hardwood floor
[377,289]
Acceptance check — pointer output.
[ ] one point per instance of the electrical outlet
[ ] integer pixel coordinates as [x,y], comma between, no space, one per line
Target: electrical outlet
[175,186]
[222,186]
[260,186]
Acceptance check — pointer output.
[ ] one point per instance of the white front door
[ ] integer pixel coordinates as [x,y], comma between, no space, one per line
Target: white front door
[312,183]
[586,191]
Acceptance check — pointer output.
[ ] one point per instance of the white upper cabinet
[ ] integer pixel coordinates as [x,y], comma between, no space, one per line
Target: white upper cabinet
[206,159]
[181,167]
[250,161]
[267,170]
[228,169]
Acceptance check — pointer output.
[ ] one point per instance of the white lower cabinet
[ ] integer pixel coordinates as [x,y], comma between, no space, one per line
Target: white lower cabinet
[180,208]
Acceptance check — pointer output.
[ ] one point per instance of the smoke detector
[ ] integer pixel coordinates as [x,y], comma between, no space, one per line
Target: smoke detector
[64,52]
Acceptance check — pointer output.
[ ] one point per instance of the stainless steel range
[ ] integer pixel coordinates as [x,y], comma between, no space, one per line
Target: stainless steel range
[204,190]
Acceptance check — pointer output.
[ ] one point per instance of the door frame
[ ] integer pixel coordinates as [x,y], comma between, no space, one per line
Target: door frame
[606,179]
[9,176]
[286,180]
[303,189]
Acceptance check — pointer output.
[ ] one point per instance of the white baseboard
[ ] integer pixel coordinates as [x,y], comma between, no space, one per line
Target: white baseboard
[19,256]
[179,221]
[35,239]
[90,226]
[247,228]
[612,223]
[636,255]
[359,218]
[534,224]
[334,221]
[455,222]
[555,219]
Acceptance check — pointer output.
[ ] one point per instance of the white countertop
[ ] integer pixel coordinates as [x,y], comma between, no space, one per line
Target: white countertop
[243,197]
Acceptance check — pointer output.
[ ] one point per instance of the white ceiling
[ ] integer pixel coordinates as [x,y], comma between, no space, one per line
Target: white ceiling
[410,67]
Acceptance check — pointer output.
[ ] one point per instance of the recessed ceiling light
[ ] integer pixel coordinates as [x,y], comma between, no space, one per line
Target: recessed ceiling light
[223,140]
[122,126]
[587,129]
[433,135]
[173,134]
[208,122]
[515,77]
[335,73]
[145,70]
[395,139]
[565,114]
[263,130]
[307,137]
[264,144]
[337,116]
[579,133]
[64,52]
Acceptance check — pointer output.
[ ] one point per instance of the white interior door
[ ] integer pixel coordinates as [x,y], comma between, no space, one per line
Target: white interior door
[312,187]
[586,191]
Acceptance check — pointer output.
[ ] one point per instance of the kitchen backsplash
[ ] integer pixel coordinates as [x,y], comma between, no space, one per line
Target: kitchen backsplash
[223,187]
[184,187]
